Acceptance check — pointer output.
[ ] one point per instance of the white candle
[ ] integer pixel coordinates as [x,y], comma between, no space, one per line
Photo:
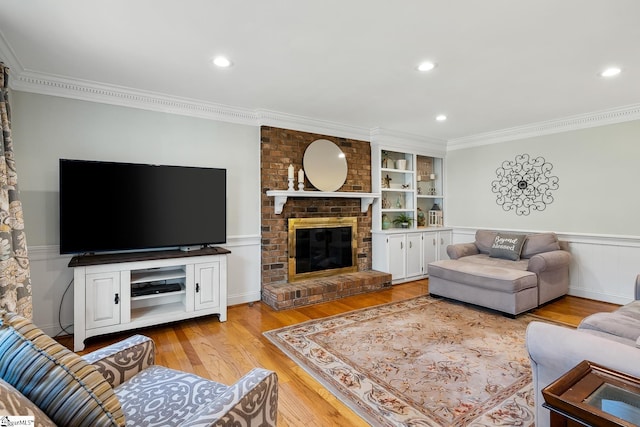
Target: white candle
[301,175]
[290,171]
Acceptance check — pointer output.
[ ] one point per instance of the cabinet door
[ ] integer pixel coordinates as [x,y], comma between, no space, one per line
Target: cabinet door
[429,249]
[414,255]
[207,285]
[396,251]
[103,299]
[444,240]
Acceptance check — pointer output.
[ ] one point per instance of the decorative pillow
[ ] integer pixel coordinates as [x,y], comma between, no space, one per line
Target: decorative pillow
[507,246]
[539,243]
[12,402]
[484,240]
[65,387]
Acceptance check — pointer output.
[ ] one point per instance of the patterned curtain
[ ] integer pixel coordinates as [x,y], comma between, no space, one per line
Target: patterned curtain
[15,280]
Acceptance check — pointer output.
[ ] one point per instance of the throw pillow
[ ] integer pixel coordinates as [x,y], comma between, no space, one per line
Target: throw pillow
[539,243]
[65,387]
[507,246]
[14,403]
[484,240]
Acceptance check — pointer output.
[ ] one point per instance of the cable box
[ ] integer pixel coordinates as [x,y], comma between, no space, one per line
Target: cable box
[143,289]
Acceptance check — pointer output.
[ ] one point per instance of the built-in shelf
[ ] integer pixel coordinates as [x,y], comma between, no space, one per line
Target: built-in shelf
[281,196]
[143,276]
[158,296]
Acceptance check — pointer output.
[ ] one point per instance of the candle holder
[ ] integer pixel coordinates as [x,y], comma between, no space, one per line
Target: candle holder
[301,186]
[291,185]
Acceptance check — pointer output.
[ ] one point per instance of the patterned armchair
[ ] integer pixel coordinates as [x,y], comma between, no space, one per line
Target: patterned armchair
[119,385]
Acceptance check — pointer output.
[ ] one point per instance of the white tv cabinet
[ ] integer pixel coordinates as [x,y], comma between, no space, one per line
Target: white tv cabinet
[104,302]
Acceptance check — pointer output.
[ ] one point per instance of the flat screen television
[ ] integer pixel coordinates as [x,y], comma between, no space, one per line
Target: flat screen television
[110,207]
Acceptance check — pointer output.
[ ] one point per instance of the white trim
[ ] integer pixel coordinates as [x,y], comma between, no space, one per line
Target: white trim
[307,124]
[49,252]
[281,196]
[245,240]
[409,142]
[582,121]
[85,90]
[583,238]
[250,297]
[598,296]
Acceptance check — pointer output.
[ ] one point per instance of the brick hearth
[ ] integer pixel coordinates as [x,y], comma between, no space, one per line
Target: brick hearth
[278,149]
[313,291]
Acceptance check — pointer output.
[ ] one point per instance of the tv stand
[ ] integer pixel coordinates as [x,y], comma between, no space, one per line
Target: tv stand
[178,285]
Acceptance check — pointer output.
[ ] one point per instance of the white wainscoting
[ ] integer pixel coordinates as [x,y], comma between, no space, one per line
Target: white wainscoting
[50,277]
[603,268]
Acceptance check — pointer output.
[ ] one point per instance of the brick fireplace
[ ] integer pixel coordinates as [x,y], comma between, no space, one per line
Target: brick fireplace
[279,148]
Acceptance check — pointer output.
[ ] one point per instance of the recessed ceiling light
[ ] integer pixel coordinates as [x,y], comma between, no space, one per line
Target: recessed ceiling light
[426,66]
[610,72]
[441,117]
[221,62]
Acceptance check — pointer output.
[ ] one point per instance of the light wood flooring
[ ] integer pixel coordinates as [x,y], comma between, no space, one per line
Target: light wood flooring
[226,351]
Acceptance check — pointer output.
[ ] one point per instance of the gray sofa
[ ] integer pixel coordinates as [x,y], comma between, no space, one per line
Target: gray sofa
[609,339]
[535,270]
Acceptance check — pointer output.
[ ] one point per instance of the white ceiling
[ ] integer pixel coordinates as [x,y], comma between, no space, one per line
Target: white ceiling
[500,63]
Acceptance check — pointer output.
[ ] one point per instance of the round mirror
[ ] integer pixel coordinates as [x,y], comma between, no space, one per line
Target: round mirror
[325,165]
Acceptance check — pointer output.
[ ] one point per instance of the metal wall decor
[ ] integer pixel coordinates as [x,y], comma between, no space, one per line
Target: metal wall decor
[524,185]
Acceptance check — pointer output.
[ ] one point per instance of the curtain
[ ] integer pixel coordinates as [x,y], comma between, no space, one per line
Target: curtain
[15,280]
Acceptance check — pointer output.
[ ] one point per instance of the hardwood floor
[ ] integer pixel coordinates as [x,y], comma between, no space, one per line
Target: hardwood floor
[226,351]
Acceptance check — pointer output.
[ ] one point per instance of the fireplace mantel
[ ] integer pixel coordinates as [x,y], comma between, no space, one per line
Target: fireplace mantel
[281,197]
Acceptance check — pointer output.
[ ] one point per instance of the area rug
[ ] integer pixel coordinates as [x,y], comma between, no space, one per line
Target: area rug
[419,362]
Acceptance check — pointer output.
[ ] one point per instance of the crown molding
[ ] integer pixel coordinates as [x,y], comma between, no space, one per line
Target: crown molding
[408,141]
[582,121]
[306,124]
[48,84]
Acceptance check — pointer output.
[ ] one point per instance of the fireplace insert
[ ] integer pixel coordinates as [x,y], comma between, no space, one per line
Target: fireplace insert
[322,247]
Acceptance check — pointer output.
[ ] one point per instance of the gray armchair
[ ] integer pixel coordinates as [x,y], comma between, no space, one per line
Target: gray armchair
[608,339]
[120,385]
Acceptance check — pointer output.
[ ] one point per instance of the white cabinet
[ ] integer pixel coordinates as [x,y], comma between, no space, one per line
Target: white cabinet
[208,289]
[119,292]
[395,249]
[407,255]
[414,255]
[103,299]
[435,247]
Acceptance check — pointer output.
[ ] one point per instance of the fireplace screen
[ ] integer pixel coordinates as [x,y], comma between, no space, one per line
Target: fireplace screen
[321,247]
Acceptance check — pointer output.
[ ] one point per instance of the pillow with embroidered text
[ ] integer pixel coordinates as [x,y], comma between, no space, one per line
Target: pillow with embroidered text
[507,246]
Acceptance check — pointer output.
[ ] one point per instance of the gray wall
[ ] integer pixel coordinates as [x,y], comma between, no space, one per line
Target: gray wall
[598,182]
[47,128]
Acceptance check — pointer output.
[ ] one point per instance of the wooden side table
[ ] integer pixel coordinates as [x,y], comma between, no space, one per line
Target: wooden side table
[593,395]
